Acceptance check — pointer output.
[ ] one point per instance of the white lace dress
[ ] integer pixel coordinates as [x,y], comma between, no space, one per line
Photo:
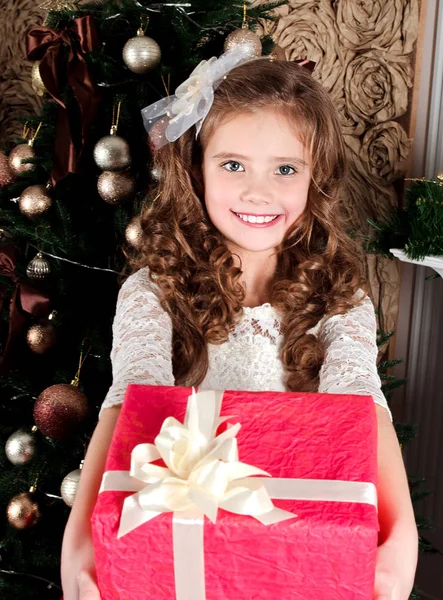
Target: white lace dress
[249,360]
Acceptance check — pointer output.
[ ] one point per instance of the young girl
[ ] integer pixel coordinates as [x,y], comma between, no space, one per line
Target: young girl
[246,279]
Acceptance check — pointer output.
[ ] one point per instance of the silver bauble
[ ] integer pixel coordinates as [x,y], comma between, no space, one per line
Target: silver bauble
[141,53]
[20,446]
[245,40]
[112,153]
[69,486]
[38,268]
[116,187]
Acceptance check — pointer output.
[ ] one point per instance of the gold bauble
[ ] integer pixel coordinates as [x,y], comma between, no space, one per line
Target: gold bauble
[19,153]
[440,177]
[41,337]
[141,53]
[61,410]
[23,510]
[134,233]
[278,53]
[6,175]
[116,187]
[36,80]
[69,486]
[34,201]
[20,446]
[38,268]
[245,40]
[112,153]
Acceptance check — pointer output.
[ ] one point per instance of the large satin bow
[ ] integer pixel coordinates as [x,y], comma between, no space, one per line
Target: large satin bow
[46,45]
[202,471]
[26,301]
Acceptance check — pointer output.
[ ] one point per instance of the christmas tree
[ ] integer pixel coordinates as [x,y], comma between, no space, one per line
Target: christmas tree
[72,188]
[417,226]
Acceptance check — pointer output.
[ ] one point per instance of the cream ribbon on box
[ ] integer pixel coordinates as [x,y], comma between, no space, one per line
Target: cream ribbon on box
[203,474]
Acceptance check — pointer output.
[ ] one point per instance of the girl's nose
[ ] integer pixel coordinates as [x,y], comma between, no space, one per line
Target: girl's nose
[256,193]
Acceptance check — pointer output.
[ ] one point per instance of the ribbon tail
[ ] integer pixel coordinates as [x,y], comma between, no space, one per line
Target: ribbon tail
[133,515]
[276,515]
[189,560]
[86,94]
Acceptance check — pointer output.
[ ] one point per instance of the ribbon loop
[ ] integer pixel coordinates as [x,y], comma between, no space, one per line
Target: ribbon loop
[45,44]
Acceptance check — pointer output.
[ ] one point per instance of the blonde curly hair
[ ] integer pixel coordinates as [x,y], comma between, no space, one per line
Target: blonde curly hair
[319,267]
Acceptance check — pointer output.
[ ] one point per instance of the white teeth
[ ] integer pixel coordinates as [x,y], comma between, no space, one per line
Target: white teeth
[253,219]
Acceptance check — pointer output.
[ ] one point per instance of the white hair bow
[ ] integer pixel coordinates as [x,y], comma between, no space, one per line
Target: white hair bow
[192,99]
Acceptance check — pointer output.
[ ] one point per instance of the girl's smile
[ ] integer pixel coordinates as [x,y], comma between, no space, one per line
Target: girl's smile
[258,221]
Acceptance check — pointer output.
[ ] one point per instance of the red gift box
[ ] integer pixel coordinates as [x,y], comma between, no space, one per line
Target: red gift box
[326,551]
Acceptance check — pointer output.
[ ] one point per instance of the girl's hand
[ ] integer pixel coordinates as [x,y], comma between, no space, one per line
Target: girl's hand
[392,582]
[87,587]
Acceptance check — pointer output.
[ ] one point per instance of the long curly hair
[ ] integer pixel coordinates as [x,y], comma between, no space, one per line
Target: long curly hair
[319,267]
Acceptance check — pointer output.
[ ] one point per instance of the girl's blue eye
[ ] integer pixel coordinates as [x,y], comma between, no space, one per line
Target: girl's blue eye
[235,167]
[286,167]
[234,164]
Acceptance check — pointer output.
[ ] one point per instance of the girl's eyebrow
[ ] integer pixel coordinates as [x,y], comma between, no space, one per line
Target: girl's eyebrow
[293,159]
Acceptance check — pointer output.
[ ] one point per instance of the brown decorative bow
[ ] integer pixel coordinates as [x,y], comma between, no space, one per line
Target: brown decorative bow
[26,301]
[47,45]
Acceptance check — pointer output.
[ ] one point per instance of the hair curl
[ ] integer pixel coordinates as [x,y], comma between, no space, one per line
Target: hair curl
[319,267]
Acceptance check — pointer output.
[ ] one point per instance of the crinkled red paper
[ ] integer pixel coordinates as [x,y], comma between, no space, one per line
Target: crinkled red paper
[327,553]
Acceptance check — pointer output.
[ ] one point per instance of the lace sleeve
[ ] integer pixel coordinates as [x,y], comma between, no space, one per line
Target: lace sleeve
[350,365]
[142,337]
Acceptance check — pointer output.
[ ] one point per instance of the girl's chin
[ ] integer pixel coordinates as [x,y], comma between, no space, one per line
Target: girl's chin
[243,246]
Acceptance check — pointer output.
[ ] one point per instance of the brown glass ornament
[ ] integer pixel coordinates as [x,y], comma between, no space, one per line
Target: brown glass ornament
[23,510]
[19,153]
[156,135]
[61,410]
[41,337]
[34,201]
[116,187]
[6,175]
[134,233]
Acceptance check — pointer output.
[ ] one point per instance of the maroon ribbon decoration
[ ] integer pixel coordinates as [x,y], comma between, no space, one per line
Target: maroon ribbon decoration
[26,301]
[47,45]
[306,64]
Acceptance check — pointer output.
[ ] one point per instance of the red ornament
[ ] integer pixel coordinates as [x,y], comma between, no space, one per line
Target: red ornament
[61,410]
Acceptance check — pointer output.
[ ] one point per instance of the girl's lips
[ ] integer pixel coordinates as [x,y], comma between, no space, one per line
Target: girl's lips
[258,225]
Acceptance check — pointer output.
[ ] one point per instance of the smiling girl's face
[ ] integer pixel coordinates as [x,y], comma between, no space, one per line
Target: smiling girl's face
[257,175]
